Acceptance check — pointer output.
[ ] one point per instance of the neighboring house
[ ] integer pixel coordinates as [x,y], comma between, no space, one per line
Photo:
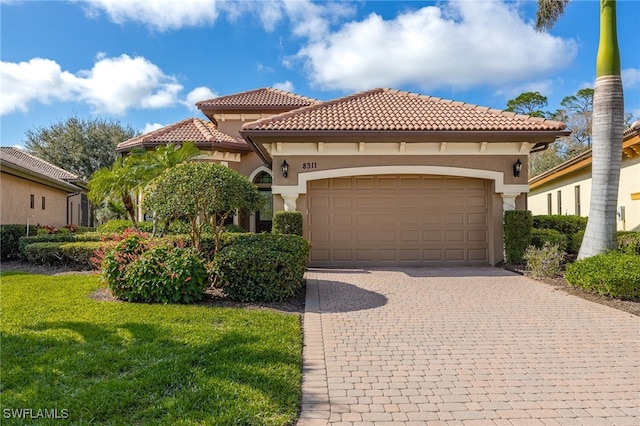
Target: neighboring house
[382,177]
[566,188]
[34,192]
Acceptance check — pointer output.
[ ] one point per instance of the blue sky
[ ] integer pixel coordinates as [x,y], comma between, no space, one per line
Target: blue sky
[146,62]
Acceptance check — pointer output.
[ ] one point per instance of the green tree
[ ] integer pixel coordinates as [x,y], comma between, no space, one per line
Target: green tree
[127,177]
[528,103]
[580,112]
[607,127]
[201,192]
[81,146]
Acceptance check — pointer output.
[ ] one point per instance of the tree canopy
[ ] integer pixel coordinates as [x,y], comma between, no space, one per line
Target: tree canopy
[529,103]
[201,192]
[80,146]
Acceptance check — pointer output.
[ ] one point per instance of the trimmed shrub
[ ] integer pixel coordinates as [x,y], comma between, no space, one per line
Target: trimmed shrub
[541,236]
[9,240]
[567,224]
[545,261]
[79,254]
[575,241]
[287,222]
[56,238]
[45,254]
[74,254]
[613,274]
[517,235]
[163,274]
[629,242]
[117,226]
[261,267]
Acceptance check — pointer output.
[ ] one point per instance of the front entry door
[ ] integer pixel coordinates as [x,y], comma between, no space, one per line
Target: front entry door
[264,216]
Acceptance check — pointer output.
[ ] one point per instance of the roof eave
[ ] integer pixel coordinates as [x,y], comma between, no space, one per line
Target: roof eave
[14,169]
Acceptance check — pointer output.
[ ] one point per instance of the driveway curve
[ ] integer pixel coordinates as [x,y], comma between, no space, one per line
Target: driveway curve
[463,346]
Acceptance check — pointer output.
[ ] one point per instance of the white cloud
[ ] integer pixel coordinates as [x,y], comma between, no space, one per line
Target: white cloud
[198,94]
[631,78]
[287,86]
[161,15]
[39,79]
[544,87]
[150,127]
[113,85]
[460,45]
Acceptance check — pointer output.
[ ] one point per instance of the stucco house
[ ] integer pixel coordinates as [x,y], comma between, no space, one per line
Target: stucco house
[382,177]
[34,191]
[566,188]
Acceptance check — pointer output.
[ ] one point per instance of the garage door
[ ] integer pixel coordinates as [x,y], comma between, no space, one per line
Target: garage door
[398,220]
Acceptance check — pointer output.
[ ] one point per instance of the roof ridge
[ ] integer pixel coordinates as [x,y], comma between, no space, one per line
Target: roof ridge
[317,106]
[162,130]
[40,163]
[268,89]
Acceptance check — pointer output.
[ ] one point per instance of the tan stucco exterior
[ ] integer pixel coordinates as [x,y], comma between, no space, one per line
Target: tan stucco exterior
[16,194]
[566,189]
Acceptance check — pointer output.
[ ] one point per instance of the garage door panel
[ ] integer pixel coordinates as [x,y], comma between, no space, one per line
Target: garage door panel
[403,220]
[342,219]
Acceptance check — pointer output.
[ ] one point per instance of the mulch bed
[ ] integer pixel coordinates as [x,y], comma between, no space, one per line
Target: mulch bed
[213,297]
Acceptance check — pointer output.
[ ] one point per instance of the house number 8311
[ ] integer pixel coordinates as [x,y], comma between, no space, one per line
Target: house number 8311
[306,166]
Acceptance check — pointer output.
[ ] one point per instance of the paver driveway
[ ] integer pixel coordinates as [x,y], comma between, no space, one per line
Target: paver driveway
[463,346]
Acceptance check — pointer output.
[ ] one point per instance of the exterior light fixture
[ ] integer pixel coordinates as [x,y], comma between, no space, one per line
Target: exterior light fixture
[285,169]
[517,167]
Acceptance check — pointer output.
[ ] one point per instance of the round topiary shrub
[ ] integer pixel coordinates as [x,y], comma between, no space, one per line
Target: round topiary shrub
[261,267]
[613,274]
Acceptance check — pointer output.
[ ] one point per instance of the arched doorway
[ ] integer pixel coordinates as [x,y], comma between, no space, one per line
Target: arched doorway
[264,216]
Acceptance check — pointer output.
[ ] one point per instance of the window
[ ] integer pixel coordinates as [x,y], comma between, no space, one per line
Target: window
[577,193]
[43,203]
[559,202]
[33,201]
[549,206]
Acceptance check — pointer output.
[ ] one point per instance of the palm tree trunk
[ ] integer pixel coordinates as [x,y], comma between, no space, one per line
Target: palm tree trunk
[608,128]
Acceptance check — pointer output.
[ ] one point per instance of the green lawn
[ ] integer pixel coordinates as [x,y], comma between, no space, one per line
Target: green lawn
[121,363]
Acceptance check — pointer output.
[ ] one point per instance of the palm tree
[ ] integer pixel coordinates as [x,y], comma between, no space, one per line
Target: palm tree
[116,182]
[608,127]
[128,176]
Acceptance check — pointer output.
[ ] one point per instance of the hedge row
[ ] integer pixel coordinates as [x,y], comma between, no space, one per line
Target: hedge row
[73,254]
[614,274]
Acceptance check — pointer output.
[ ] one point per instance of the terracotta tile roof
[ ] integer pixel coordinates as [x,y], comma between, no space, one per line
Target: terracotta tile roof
[203,133]
[393,110]
[34,164]
[261,99]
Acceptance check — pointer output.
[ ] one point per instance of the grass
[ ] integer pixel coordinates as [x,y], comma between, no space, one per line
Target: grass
[122,363]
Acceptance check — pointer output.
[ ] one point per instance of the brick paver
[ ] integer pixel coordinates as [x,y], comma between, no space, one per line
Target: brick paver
[463,346]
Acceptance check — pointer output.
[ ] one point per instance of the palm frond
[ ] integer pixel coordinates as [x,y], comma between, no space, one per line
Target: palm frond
[548,13]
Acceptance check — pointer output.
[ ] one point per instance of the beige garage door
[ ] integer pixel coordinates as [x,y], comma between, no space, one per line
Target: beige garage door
[398,220]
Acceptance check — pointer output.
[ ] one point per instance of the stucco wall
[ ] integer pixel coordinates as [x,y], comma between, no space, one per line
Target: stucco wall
[565,185]
[15,201]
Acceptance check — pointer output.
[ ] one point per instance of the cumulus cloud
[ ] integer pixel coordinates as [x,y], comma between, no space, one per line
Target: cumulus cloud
[459,45]
[287,86]
[161,15]
[113,85]
[198,94]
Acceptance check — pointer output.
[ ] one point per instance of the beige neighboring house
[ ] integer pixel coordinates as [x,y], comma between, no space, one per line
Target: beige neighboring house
[566,188]
[382,177]
[34,192]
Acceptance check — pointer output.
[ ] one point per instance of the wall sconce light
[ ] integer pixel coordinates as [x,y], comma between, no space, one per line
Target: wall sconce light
[285,169]
[517,167]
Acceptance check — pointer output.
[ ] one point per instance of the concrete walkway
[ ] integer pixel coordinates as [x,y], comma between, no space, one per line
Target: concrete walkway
[463,346]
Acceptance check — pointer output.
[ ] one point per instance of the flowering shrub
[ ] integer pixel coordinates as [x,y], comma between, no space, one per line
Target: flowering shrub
[164,274]
[544,262]
[114,261]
